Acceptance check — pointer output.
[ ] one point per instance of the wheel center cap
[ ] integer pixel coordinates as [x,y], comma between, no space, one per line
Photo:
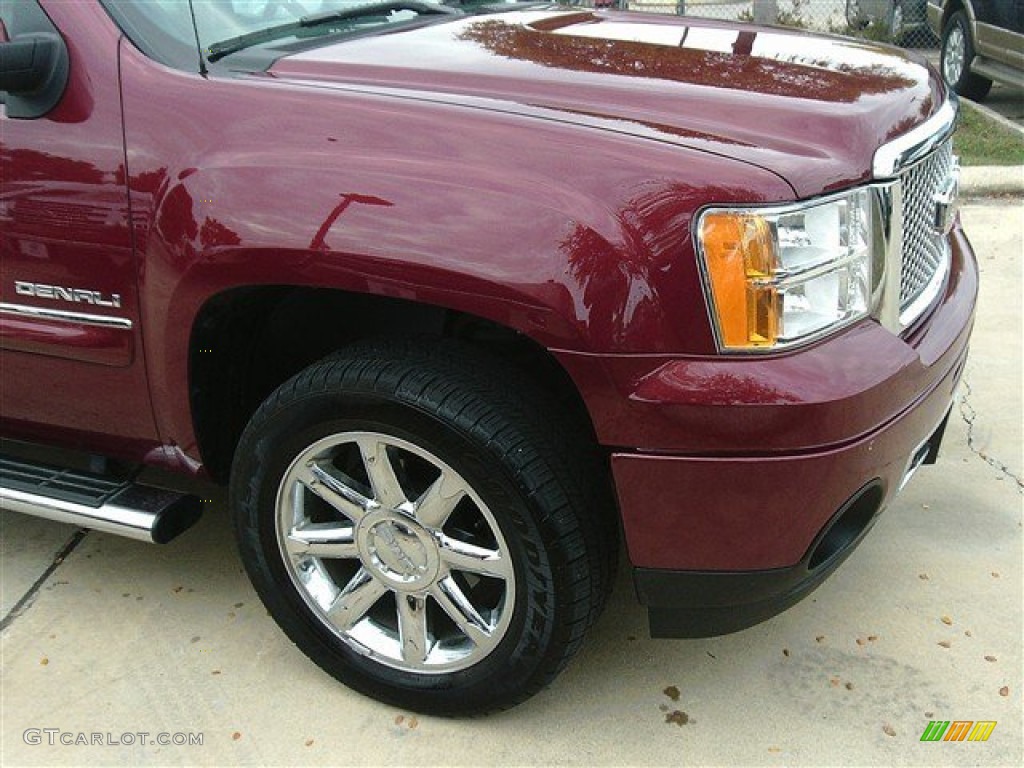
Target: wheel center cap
[398,550]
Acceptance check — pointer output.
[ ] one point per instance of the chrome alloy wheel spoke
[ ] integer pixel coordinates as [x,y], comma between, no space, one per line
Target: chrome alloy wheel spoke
[346,500]
[453,600]
[325,540]
[437,503]
[358,596]
[412,628]
[387,490]
[461,556]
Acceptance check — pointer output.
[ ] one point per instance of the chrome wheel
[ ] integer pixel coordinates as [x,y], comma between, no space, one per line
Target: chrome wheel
[954,54]
[395,552]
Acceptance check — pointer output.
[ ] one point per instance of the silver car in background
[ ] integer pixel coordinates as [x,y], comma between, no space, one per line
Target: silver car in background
[900,18]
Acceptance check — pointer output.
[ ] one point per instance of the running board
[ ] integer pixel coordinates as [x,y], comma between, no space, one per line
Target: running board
[124,508]
[995,70]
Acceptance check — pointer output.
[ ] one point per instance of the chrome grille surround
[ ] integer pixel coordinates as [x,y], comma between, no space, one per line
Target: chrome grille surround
[919,176]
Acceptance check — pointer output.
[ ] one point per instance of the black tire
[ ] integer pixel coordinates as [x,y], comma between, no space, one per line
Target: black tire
[428,409]
[957,55]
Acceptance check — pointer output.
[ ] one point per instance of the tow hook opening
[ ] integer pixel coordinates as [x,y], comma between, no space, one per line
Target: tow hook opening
[852,520]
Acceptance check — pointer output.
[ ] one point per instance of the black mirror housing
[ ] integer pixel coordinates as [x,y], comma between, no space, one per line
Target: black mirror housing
[34,72]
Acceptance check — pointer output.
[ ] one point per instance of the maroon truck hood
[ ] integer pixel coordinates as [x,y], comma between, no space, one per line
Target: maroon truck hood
[810,109]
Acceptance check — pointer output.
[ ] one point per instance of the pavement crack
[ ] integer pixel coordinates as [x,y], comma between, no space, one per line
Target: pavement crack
[30,595]
[969,416]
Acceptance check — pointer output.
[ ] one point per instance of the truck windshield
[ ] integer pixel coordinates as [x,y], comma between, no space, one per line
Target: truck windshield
[342,19]
[163,29]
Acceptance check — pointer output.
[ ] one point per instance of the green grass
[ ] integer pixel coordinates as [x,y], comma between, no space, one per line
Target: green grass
[980,140]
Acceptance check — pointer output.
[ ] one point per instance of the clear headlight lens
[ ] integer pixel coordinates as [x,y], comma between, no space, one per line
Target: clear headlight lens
[781,276]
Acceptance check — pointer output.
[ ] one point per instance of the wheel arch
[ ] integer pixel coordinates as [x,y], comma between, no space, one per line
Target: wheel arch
[246,341]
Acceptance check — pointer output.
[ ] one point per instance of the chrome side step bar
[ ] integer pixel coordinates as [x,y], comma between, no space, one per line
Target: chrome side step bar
[141,512]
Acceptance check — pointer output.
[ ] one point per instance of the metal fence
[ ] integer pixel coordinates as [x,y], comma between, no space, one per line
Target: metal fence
[903,22]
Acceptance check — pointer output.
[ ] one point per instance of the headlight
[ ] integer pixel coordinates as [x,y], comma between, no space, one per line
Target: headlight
[780,276]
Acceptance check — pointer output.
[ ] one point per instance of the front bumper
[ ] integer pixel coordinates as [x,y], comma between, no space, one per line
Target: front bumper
[801,452]
[708,603]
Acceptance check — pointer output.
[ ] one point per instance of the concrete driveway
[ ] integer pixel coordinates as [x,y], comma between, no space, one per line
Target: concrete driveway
[922,623]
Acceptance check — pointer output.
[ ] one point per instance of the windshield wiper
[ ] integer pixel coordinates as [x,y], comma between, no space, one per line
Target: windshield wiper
[234,44]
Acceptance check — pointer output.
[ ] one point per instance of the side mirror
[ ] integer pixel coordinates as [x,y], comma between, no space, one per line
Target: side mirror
[33,72]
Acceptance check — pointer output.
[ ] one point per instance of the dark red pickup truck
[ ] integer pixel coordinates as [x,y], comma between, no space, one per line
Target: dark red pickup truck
[456,298]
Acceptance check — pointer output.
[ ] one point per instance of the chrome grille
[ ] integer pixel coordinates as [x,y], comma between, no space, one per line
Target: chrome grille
[925,250]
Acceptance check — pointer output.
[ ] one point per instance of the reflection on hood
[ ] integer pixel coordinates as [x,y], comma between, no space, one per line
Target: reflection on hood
[794,77]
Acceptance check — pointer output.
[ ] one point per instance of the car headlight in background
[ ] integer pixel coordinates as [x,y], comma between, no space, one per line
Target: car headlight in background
[784,275]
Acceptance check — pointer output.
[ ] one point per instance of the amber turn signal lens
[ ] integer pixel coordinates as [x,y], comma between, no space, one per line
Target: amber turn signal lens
[740,257]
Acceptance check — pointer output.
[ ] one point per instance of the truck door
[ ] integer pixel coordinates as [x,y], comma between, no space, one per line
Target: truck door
[71,365]
[1000,25]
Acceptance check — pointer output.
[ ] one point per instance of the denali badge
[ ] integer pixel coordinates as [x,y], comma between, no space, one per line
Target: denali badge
[73,295]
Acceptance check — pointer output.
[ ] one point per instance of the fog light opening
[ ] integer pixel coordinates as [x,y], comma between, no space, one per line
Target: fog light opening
[847,526]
